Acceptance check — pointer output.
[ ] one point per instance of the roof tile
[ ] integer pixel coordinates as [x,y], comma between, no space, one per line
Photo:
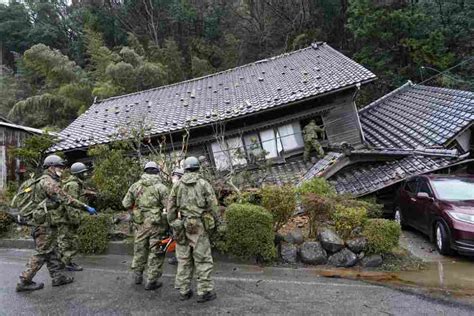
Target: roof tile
[243,90]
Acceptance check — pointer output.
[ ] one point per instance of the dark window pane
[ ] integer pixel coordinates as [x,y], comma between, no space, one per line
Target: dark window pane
[411,186]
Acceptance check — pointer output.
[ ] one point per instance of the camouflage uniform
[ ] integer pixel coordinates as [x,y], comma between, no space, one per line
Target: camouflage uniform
[148,197]
[310,134]
[192,197]
[71,219]
[50,198]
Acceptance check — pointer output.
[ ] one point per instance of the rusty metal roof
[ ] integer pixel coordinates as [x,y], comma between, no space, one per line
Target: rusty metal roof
[262,85]
[417,116]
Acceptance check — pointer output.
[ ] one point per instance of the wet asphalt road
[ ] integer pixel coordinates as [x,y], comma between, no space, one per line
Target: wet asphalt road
[105,288]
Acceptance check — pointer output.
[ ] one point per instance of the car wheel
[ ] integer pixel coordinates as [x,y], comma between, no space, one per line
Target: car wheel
[442,239]
[398,217]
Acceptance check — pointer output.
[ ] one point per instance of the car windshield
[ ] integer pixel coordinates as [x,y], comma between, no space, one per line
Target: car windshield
[461,189]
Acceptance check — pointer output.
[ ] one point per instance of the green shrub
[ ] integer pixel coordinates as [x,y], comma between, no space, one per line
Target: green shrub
[318,186]
[346,219]
[280,201]
[252,196]
[382,235]
[318,208]
[374,210]
[94,234]
[249,232]
[5,222]
[114,173]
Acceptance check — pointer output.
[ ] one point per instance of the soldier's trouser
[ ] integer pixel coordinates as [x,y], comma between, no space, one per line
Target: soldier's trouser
[45,252]
[146,237]
[68,244]
[195,260]
[309,145]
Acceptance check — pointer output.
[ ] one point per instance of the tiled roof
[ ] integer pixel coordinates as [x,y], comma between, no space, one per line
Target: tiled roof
[261,85]
[286,173]
[365,178]
[417,116]
[433,152]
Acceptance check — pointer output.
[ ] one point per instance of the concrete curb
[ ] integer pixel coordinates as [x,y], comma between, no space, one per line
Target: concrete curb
[121,248]
[114,248]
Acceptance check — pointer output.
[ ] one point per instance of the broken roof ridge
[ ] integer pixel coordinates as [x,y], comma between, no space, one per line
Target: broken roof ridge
[409,83]
[314,45]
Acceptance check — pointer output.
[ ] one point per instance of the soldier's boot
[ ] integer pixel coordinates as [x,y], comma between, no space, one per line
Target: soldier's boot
[62,280]
[73,267]
[138,277]
[153,285]
[208,296]
[24,286]
[186,296]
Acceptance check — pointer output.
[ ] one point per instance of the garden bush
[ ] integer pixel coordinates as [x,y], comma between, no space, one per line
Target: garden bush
[94,234]
[249,232]
[252,196]
[318,208]
[280,201]
[5,222]
[374,210]
[318,186]
[114,173]
[346,219]
[382,235]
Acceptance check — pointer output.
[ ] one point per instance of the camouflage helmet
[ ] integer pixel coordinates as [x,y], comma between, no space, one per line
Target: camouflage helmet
[178,172]
[191,164]
[78,167]
[151,166]
[53,161]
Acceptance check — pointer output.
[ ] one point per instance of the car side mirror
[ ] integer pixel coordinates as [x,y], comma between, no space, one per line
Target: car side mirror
[424,196]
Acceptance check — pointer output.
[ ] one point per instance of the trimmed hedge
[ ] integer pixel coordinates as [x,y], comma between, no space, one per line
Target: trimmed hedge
[318,186]
[382,235]
[346,219]
[280,201]
[94,234]
[249,232]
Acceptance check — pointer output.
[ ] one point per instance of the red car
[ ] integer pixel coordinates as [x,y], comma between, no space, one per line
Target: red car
[442,207]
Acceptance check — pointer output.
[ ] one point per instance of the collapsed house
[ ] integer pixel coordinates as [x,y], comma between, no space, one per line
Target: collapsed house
[413,130]
[232,114]
[264,106]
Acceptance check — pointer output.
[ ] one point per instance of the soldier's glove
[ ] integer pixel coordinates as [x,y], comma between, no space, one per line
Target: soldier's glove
[91,210]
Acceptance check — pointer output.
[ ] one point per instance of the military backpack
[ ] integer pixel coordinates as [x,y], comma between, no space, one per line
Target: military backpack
[24,202]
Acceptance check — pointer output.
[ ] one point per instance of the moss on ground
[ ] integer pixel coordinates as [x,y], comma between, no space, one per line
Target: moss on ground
[400,259]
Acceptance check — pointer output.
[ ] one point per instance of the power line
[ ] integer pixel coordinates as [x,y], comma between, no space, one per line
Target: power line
[449,69]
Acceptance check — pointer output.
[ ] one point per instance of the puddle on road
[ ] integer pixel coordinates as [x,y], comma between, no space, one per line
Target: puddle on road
[453,278]
[448,275]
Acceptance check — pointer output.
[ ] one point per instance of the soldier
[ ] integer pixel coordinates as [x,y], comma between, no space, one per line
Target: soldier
[47,196]
[310,133]
[148,197]
[175,177]
[192,213]
[67,231]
